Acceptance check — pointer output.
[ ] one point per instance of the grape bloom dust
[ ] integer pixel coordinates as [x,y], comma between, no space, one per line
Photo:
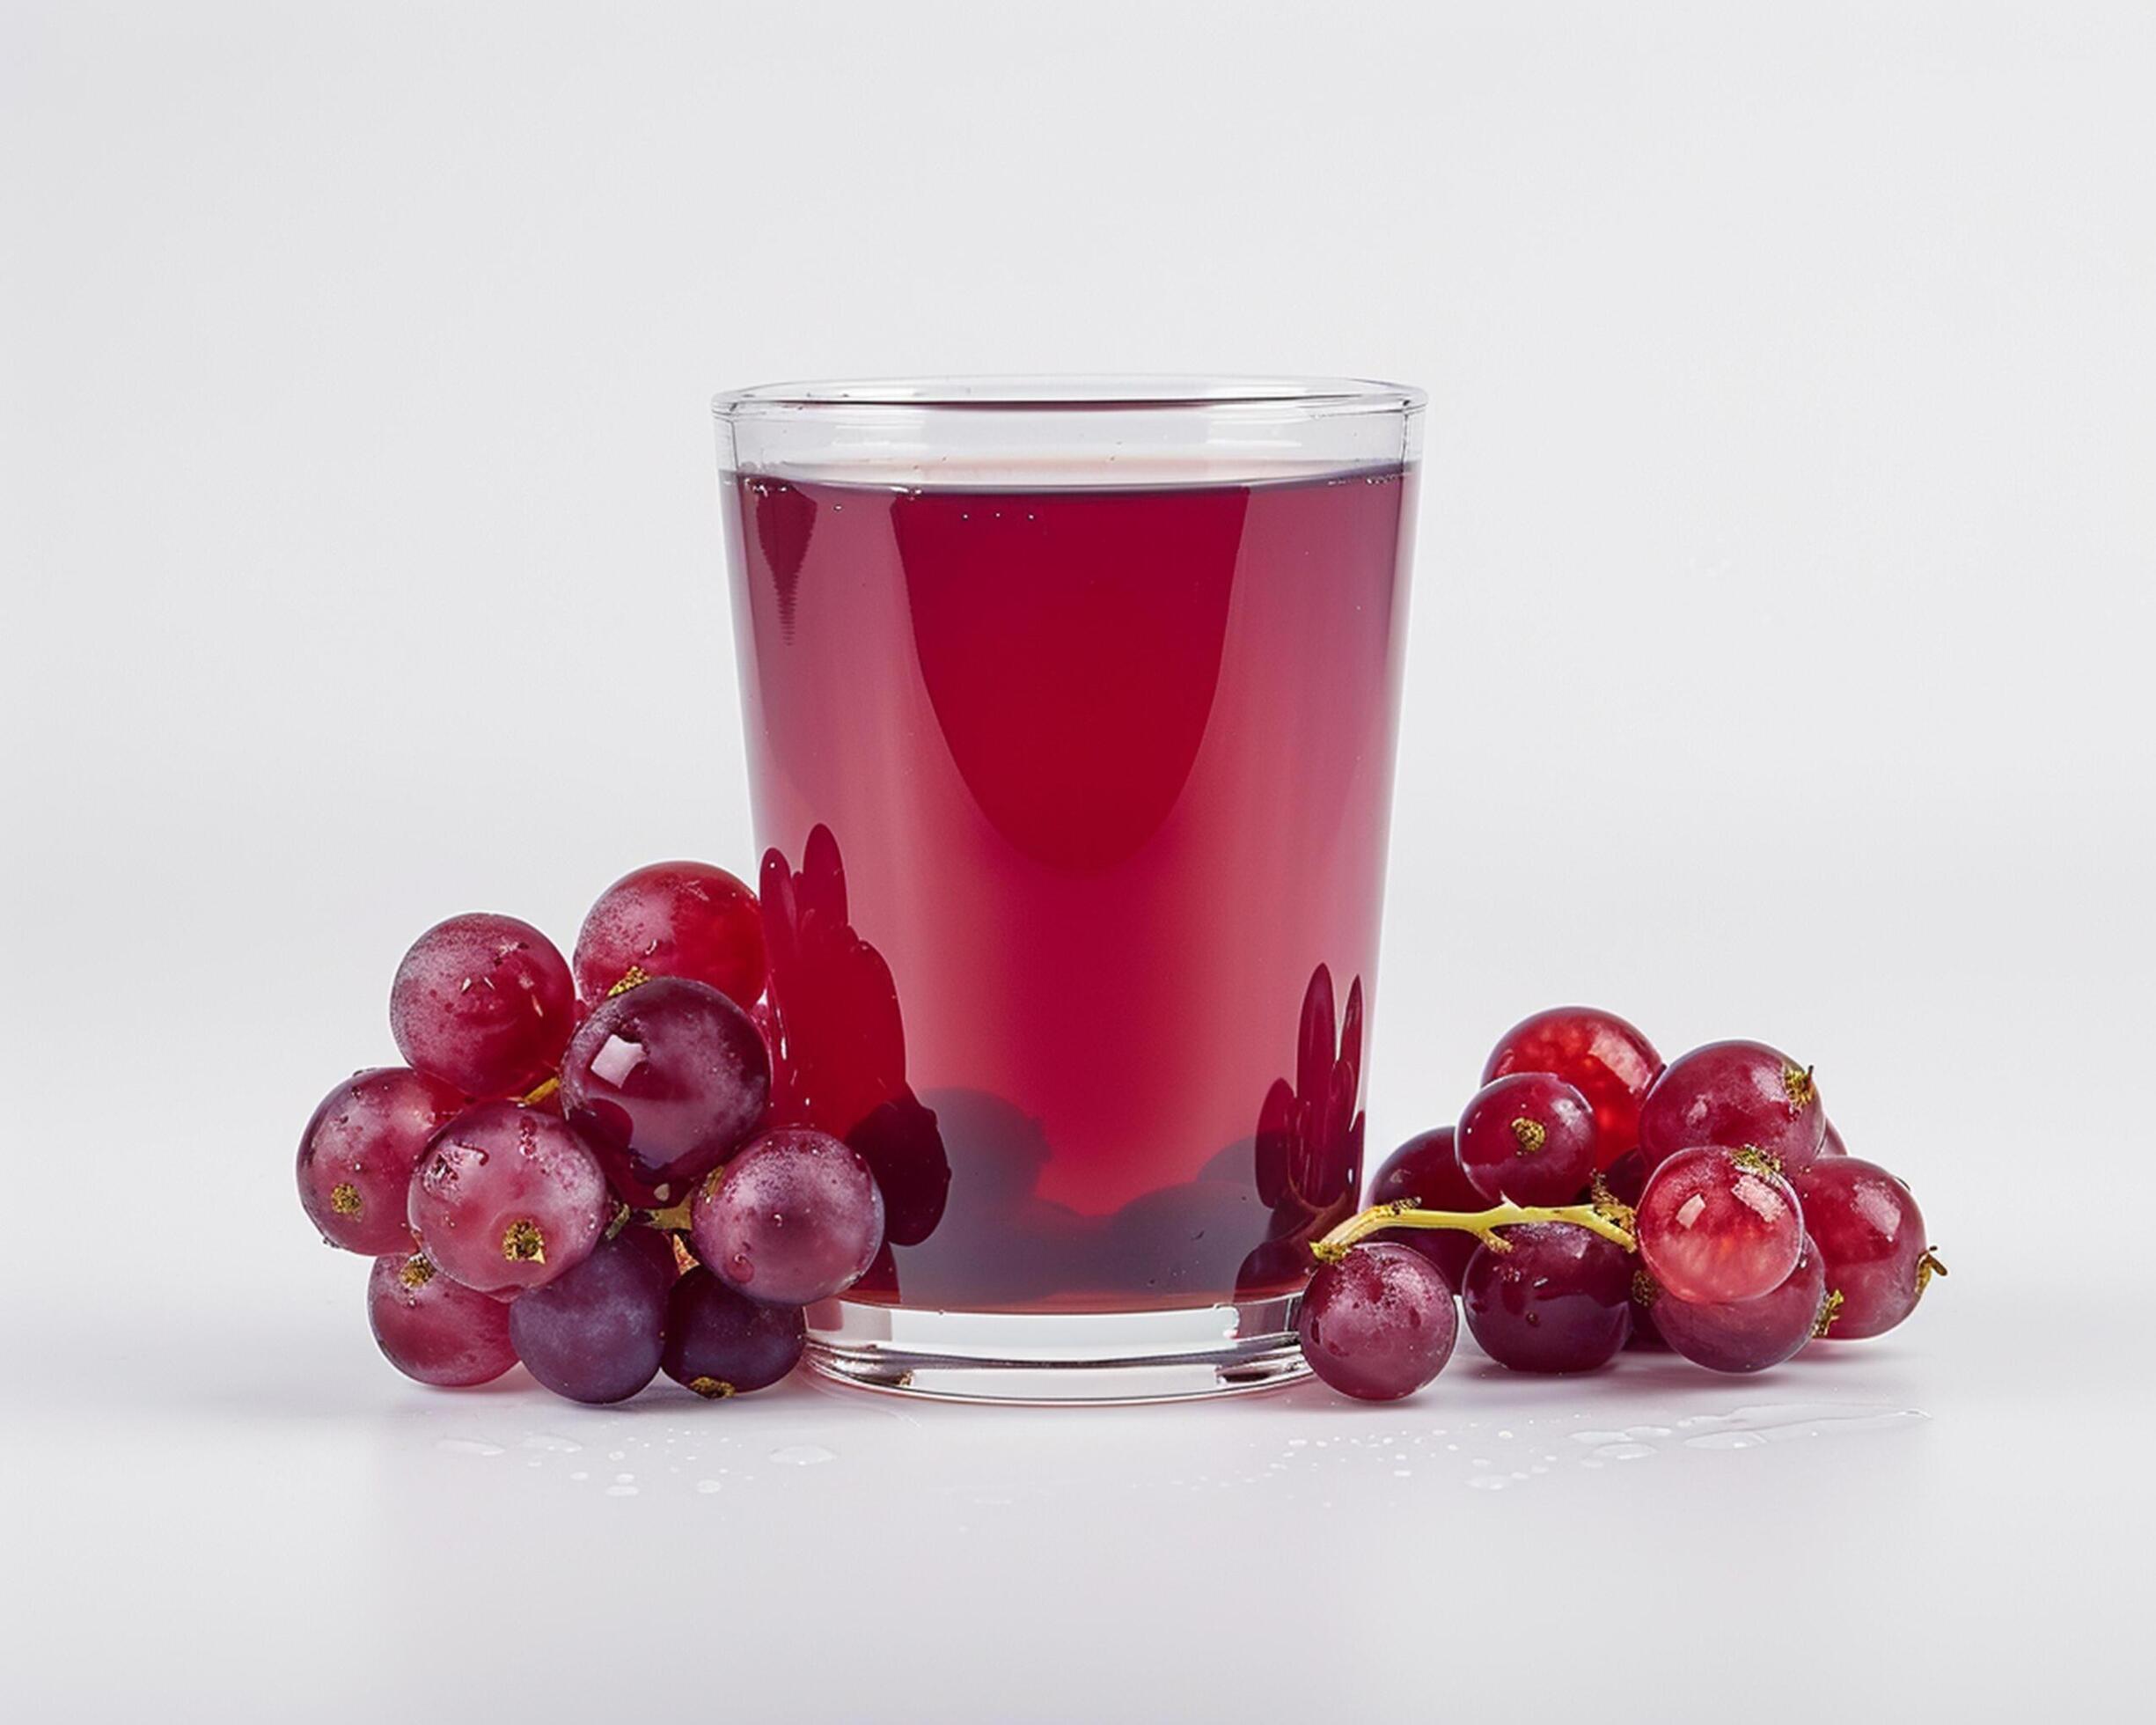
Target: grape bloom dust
[1070,708]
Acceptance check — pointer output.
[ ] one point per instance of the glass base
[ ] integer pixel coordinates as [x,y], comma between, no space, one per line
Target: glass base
[1111,1356]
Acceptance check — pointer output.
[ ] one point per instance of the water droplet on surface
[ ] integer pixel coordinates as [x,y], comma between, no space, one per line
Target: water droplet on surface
[467,1446]
[1749,1427]
[1626,1452]
[803,1455]
[708,1486]
[548,1441]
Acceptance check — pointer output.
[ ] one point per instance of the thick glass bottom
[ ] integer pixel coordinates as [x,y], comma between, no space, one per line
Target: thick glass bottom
[1124,1356]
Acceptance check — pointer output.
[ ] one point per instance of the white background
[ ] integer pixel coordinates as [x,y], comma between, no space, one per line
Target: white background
[1779,667]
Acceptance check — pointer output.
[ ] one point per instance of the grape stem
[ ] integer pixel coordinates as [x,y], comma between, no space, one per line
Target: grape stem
[1483,1224]
[675,1216]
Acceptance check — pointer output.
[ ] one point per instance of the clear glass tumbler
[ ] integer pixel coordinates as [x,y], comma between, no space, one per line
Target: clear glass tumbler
[1070,708]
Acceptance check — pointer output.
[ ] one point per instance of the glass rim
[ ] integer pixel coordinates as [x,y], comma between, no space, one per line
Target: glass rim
[1076,392]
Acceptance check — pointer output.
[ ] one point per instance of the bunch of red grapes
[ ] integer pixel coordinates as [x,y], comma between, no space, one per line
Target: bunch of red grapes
[574,1168]
[1752,1231]
[577,1168]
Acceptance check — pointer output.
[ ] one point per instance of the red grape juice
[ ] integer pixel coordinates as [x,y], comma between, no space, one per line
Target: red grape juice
[1076,805]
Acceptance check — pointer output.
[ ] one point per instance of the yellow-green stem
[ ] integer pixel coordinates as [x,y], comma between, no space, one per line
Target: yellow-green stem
[1483,1224]
[674,1216]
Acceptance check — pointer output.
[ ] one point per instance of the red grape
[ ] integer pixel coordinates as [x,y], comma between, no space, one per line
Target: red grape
[1626,1177]
[357,1156]
[1529,1137]
[433,1329]
[596,1333]
[1558,1301]
[1871,1236]
[720,1343]
[1748,1335]
[793,1219]
[1646,1336]
[1735,1093]
[1379,1324]
[1716,1225]
[1427,1168]
[674,919]
[665,1080]
[506,1198]
[1606,1060]
[483,1003]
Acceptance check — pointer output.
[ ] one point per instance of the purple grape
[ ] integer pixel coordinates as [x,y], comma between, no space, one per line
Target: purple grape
[794,1218]
[665,1080]
[661,1247]
[483,1003]
[1748,1335]
[1379,1324]
[596,1334]
[1558,1301]
[506,1198]
[1737,1094]
[1529,1137]
[720,1343]
[358,1152]
[433,1329]
[1427,1168]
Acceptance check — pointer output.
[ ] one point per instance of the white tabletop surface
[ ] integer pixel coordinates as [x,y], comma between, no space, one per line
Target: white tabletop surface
[1779,667]
[275,1526]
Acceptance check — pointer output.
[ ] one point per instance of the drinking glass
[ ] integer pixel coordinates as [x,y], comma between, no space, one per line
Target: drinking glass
[1070,705]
